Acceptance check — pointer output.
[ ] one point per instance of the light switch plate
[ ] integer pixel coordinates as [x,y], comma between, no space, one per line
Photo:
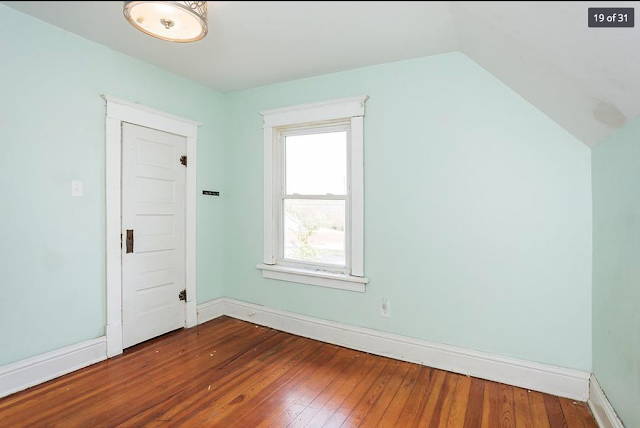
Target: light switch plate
[76,188]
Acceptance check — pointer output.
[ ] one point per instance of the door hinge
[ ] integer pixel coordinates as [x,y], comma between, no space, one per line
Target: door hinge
[183,160]
[183,295]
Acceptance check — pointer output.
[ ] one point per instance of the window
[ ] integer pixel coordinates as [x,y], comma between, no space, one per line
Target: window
[313,194]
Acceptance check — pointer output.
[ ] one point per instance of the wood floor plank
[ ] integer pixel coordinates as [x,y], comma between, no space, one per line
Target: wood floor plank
[440,416]
[417,396]
[164,389]
[214,410]
[571,413]
[428,405]
[351,401]
[371,397]
[460,403]
[100,373]
[370,370]
[230,373]
[473,415]
[394,409]
[168,386]
[281,406]
[279,382]
[281,409]
[539,417]
[554,411]
[491,408]
[587,416]
[523,410]
[148,374]
[507,413]
[352,376]
[379,408]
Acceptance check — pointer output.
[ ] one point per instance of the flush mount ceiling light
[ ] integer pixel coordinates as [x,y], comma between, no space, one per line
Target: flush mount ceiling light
[175,21]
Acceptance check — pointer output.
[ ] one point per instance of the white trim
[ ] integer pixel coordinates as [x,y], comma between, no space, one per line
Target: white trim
[546,378]
[113,239]
[601,408]
[33,371]
[147,116]
[350,112]
[113,333]
[269,237]
[210,310]
[118,111]
[315,112]
[554,380]
[322,279]
[191,237]
[357,196]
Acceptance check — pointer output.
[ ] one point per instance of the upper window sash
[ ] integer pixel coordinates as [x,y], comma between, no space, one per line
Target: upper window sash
[283,133]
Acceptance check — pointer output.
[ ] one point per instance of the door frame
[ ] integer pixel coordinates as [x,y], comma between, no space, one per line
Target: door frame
[118,111]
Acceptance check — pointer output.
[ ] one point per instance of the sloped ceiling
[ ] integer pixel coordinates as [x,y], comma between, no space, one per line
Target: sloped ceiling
[586,79]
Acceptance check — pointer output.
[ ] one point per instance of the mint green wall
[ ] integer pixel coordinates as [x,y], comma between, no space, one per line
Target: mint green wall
[616,270]
[52,122]
[478,212]
[478,207]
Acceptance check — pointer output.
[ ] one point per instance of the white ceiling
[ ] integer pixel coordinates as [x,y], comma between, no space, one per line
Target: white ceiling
[586,79]
[257,43]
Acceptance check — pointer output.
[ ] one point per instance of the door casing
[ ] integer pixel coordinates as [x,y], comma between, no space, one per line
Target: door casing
[117,112]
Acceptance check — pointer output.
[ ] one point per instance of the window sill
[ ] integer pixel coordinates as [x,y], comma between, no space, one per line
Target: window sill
[322,279]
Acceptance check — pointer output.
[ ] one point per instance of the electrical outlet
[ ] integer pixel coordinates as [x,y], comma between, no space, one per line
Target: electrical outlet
[385,308]
[76,188]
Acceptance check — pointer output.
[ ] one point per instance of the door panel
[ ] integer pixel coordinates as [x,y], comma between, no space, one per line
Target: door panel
[153,206]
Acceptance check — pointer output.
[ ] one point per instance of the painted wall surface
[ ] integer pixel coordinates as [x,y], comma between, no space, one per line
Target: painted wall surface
[616,270]
[477,206]
[52,270]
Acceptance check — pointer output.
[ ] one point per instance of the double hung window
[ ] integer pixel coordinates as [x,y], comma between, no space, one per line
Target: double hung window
[314,201]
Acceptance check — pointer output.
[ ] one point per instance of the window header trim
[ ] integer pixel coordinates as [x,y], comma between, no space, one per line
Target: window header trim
[315,112]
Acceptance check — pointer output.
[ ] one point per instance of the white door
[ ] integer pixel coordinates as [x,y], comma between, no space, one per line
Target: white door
[153,233]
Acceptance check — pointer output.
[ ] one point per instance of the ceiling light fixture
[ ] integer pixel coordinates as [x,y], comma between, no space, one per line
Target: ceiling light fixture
[175,21]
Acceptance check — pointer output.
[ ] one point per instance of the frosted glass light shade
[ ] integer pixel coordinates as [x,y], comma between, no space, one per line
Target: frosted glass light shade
[175,21]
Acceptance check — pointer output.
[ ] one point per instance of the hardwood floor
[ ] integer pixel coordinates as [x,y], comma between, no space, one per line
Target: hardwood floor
[229,373]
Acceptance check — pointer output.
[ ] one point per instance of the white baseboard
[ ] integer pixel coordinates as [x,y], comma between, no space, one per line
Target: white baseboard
[554,380]
[33,371]
[191,318]
[601,408]
[560,381]
[114,339]
[210,310]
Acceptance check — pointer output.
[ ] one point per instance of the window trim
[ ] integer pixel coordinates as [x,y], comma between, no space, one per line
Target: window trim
[348,111]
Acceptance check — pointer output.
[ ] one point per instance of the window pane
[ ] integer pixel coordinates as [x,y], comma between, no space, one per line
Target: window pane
[314,231]
[316,164]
